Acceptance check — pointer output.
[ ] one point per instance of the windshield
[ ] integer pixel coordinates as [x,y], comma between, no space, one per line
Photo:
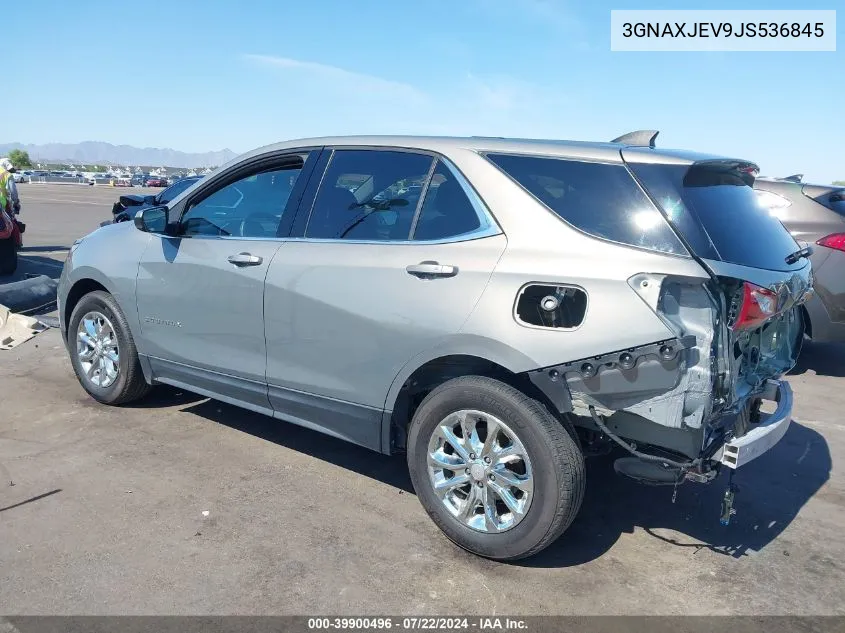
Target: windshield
[714,207]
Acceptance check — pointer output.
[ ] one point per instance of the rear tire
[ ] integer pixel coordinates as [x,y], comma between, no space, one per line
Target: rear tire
[516,521]
[97,317]
[8,256]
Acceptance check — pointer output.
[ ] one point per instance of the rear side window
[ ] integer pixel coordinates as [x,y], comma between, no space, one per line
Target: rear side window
[600,199]
[447,211]
[369,195]
[835,201]
[716,210]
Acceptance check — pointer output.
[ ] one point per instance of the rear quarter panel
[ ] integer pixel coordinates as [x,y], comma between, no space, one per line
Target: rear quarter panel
[543,248]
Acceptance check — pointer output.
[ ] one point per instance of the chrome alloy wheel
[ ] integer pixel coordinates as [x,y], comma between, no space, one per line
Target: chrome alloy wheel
[480,470]
[97,350]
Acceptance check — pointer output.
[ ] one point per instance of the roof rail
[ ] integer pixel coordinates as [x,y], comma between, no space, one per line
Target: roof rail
[640,138]
[794,178]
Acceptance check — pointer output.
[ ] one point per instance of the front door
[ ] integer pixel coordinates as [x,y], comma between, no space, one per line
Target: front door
[378,276]
[200,293]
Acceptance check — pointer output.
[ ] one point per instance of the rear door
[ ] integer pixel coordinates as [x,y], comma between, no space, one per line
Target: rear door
[388,259]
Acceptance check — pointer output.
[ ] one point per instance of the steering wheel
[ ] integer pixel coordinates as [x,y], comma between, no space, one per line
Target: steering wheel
[259,216]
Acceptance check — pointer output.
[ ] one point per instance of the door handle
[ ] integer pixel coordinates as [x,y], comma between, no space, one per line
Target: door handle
[430,270]
[245,259]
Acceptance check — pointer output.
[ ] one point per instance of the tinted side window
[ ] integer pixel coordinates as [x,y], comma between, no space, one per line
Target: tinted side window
[447,211]
[368,195]
[600,199]
[249,207]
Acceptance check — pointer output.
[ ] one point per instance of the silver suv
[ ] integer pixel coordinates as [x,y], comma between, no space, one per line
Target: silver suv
[495,309]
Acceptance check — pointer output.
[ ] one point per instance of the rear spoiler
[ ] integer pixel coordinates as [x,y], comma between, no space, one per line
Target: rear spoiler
[793,178]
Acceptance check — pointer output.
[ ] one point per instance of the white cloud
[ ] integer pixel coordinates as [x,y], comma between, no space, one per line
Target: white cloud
[360,81]
[340,101]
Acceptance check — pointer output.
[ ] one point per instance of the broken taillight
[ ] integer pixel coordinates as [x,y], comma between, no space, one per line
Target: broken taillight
[758,305]
[835,241]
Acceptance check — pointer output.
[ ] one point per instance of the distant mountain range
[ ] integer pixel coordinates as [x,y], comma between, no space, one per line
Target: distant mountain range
[94,152]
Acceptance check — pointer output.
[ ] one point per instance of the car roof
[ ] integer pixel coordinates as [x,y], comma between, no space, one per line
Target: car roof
[444,144]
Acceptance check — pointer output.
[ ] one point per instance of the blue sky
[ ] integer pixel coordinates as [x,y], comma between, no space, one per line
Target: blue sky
[203,75]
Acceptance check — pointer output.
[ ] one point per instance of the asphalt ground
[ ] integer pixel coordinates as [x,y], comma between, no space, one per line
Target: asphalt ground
[184,505]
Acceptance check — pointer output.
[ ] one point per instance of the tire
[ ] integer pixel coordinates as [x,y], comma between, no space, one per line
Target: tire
[129,384]
[8,256]
[554,461]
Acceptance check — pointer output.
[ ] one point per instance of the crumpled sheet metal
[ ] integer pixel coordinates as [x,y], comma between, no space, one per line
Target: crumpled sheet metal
[17,328]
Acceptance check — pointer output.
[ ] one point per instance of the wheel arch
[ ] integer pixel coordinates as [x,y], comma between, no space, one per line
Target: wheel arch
[90,280]
[469,355]
[808,321]
[82,286]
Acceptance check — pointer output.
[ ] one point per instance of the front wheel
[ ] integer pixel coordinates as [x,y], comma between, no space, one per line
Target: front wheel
[493,468]
[102,351]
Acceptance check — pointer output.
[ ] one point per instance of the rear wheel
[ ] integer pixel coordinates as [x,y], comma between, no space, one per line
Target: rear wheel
[8,256]
[102,351]
[493,468]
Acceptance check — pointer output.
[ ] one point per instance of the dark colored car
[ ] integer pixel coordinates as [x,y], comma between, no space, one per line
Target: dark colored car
[815,214]
[128,204]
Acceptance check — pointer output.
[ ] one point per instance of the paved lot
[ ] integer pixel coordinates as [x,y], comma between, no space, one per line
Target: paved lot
[185,505]
[55,215]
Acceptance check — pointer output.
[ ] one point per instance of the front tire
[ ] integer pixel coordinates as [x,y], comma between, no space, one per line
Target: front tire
[493,468]
[8,256]
[103,352]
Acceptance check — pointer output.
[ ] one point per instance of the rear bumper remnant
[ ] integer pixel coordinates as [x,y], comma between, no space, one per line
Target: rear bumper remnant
[768,432]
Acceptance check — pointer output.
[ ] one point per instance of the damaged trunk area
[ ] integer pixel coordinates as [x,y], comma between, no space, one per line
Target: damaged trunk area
[675,403]
[737,330]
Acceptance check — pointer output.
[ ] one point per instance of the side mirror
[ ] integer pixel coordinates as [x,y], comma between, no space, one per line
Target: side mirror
[152,220]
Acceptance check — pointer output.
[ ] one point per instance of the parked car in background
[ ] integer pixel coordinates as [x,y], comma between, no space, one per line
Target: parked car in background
[156,181]
[531,302]
[130,204]
[815,214]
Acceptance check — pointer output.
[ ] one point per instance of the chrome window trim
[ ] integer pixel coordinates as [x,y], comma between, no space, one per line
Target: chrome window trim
[465,237]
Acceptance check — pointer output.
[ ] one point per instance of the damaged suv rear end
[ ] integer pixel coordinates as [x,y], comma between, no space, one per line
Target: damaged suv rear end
[745,317]
[689,381]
